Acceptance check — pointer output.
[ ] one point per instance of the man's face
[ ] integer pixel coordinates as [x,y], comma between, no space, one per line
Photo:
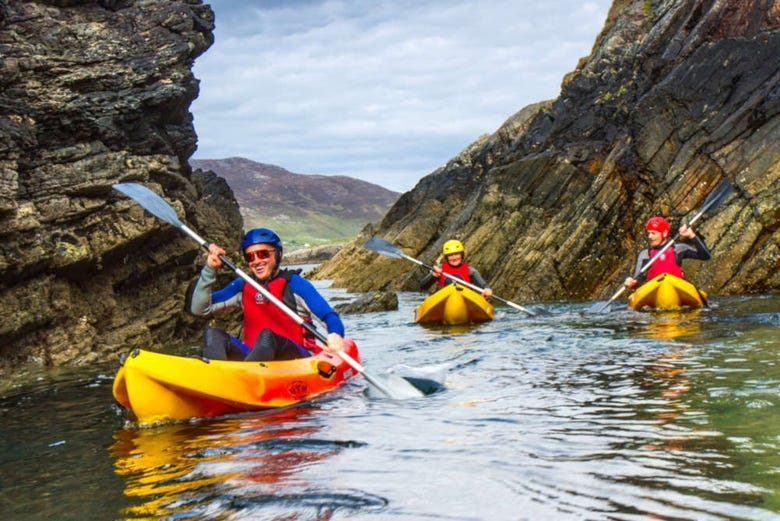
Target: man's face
[262,260]
[655,238]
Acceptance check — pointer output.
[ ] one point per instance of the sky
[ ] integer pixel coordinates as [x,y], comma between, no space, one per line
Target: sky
[386,91]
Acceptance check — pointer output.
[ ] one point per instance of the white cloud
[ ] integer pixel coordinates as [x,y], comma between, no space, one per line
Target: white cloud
[385,90]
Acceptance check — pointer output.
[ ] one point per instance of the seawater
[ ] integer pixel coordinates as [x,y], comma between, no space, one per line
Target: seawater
[578,415]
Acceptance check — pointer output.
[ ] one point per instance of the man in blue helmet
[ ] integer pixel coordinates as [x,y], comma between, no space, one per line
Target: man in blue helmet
[269,333]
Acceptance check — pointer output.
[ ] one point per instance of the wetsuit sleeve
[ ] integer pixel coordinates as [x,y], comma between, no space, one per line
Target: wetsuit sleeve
[317,304]
[205,301]
[427,281]
[641,260]
[693,249]
[477,279]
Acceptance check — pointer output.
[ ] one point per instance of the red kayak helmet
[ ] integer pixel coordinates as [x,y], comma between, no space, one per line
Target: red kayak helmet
[658,224]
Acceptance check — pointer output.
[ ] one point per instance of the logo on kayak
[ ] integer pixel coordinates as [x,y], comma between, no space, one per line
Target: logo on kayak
[298,389]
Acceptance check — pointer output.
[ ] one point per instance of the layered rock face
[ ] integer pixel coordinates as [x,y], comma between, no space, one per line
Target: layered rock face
[675,96]
[94,93]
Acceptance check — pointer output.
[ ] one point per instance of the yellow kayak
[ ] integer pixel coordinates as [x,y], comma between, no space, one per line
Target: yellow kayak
[667,292]
[157,387]
[453,304]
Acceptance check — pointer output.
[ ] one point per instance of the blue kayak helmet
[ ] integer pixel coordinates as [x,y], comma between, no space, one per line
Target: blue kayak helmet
[263,236]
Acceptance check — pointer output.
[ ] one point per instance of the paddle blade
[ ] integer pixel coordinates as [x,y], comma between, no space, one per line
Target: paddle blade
[717,196]
[539,312]
[424,381]
[394,387]
[152,203]
[600,307]
[383,247]
[391,386]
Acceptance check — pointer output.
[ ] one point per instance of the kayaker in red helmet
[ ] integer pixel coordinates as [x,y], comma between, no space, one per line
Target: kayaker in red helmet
[269,334]
[455,264]
[671,259]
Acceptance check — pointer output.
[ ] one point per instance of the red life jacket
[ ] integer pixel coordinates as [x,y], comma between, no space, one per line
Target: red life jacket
[666,263]
[260,313]
[462,272]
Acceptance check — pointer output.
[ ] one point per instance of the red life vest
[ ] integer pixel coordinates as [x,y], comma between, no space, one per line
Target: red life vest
[666,263]
[260,313]
[462,272]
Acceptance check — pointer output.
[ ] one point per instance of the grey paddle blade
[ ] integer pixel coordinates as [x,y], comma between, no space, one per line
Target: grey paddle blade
[395,387]
[411,382]
[428,380]
[600,307]
[151,202]
[383,247]
[718,196]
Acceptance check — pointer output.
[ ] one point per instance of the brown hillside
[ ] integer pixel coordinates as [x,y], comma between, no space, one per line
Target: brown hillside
[270,189]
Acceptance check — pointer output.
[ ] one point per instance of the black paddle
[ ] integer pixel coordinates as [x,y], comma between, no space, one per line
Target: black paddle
[389,249]
[715,199]
[158,207]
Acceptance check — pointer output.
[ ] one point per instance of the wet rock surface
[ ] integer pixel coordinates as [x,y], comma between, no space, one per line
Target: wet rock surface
[91,94]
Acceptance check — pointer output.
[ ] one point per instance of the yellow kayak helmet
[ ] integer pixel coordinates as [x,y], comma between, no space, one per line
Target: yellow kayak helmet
[451,247]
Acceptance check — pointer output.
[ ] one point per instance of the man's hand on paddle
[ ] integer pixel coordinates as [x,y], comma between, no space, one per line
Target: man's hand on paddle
[335,343]
[213,259]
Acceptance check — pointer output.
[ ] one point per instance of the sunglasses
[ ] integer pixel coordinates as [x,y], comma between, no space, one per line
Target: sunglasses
[252,256]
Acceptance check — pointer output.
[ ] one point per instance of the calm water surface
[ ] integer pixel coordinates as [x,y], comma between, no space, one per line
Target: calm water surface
[618,415]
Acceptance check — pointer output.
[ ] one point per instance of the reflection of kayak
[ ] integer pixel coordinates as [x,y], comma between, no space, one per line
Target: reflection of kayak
[174,470]
[454,304]
[158,387]
[667,292]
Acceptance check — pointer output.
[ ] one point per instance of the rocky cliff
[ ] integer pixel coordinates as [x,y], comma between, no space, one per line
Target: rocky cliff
[675,96]
[93,93]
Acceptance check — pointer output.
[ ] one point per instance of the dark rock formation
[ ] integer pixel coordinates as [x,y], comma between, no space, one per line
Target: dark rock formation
[94,93]
[312,255]
[675,96]
[369,303]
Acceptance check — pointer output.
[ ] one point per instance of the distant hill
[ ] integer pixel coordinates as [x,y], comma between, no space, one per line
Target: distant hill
[301,208]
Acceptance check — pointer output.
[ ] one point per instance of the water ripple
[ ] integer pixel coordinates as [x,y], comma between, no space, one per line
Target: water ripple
[618,415]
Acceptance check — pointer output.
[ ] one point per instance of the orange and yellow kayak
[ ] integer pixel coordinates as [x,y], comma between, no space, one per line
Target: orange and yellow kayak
[158,387]
[453,304]
[667,292]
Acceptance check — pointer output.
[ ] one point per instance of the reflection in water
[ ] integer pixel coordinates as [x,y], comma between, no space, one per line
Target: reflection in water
[669,379]
[250,463]
[670,325]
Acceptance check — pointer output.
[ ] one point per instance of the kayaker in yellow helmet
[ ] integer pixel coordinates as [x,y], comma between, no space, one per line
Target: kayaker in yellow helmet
[269,334]
[455,264]
[671,259]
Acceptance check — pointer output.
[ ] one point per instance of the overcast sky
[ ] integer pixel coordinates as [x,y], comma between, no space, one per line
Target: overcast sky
[380,90]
